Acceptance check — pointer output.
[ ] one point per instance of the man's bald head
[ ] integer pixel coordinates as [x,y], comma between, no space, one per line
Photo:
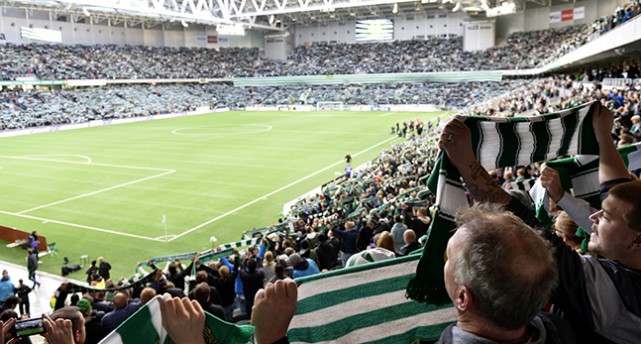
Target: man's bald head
[120,300]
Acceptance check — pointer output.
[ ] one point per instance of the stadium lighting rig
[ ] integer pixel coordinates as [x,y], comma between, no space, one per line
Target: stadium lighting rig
[209,13]
[262,15]
[504,9]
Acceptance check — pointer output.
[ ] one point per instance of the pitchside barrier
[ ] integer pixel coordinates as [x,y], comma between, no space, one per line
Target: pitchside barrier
[17,238]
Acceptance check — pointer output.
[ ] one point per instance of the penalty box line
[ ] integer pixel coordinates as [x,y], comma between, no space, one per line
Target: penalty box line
[97,229]
[88,162]
[163,173]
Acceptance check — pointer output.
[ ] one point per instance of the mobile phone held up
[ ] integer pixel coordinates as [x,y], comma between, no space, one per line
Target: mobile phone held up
[28,327]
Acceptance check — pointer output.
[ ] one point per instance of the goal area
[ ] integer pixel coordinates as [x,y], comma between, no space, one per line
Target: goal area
[330,106]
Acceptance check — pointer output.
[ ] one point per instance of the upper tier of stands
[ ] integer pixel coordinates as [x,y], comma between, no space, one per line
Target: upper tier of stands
[522,50]
[59,62]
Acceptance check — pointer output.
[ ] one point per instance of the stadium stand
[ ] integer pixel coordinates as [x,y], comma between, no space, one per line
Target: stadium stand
[61,62]
[27,109]
[394,185]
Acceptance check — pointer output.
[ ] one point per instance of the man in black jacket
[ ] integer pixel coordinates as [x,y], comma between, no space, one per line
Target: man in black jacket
[32,266]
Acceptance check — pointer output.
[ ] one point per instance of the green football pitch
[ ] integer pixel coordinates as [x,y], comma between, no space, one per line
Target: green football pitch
[104,191]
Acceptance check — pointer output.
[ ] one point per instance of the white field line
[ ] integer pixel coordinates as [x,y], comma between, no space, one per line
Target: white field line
[86,158]
[79,226]
[325,132]
[265,128]
[85,163]
[387,114]
[98,191]
[275,191]
[88,161]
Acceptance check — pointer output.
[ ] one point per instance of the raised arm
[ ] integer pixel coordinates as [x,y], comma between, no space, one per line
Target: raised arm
[274,309]
[611,165]
[456,141]
[578,209]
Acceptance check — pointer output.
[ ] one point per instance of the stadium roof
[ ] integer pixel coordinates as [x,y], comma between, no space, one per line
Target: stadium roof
[257,14]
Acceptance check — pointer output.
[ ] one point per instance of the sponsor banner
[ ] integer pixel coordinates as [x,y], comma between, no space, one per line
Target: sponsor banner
[212,39]
[579,13]
[567,15]
[555,17]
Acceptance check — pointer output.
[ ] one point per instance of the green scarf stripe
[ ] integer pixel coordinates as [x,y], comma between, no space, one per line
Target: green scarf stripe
[541,140]
[588,144]
[455,181]
[510,144]
[174,257]
[477,135]
[428,285]
[145,327]
[569,124]
[426,333]
[432,182]
[241,243]
[561,166]
[339,328]
[210,257]
[324,300]
[145,331]
[627,150]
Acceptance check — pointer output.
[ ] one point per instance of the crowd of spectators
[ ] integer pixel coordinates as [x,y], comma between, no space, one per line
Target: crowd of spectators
[434,54]
[378,211]
[354,220]
[26,109]
[558,93]
[621,15]
[61,62]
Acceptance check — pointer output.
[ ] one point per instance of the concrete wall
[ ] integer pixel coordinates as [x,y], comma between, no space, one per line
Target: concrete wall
[539,18]
[405,28]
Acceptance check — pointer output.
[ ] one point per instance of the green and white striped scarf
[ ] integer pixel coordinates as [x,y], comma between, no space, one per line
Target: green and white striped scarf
[241,243]
[145,327]
[579,176]
[525,185]
[365,304]
[498,142]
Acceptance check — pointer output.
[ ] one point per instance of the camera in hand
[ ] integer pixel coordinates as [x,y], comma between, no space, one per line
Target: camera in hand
[28,327]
